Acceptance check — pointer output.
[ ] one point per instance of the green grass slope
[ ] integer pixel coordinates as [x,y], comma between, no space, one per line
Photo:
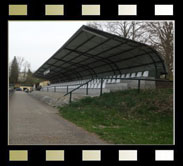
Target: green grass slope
[126,117]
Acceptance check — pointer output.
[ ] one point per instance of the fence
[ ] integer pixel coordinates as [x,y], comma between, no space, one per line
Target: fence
[139,80]
[74,87]
[60,88]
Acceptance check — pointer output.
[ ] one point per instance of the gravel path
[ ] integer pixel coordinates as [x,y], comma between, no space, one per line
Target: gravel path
[32,122]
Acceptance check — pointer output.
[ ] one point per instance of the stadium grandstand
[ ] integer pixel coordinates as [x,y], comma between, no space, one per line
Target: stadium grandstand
[95,59]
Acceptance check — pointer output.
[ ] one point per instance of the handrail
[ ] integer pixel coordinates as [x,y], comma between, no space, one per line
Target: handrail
[143,79]
[54,86]
[77,87]
[102,79]
[62,85]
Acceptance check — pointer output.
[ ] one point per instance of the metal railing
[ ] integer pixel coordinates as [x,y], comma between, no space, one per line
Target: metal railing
[86,83]
[102,80]
[56,87]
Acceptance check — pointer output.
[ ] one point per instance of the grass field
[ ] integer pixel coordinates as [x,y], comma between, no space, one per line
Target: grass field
[126,117]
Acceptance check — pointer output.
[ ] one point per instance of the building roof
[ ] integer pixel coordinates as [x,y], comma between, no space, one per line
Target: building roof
[92,53]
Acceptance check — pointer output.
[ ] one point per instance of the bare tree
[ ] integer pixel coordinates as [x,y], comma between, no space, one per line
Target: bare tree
[26,66]
[127,29]
[20,61]
[23,68]
[159,35]
[161,38]
[122,28]
[96,25]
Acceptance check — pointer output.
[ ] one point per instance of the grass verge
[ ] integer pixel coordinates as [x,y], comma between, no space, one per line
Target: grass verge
[126,117]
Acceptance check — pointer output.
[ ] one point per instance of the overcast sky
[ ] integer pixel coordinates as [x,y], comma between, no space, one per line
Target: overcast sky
[37,41]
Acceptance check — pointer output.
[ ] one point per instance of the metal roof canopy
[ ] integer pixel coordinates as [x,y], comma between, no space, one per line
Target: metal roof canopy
[91,53]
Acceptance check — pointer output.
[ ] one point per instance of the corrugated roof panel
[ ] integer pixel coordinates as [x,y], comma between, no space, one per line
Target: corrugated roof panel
[91,53]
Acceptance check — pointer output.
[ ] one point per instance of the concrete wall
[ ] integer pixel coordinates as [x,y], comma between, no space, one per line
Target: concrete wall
[117,87]
[54,98]
[58,99]
[131,84]
[82,91]
[122,85]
